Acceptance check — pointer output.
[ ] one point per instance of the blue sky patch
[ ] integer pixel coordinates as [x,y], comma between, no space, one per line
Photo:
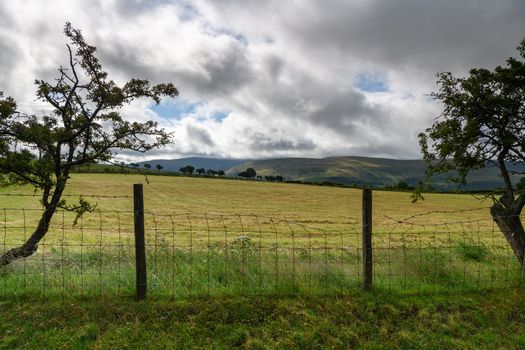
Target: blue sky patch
[219,116]
[175,109]
[371,83]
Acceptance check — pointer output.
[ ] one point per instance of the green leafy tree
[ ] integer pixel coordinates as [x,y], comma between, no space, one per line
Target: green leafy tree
[248,173]
[402,185]
[187,170]
[201,171]
[84,126]
[483,124]
[159,167]
[147,166]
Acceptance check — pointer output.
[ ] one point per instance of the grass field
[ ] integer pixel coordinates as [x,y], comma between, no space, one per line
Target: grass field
[218,236]
[238,264]
[317,205]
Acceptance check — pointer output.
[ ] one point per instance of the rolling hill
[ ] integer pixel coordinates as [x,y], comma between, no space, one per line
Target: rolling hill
[348,170]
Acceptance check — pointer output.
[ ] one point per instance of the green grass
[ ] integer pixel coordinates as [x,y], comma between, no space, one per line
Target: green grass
[240,278]
[241,248]
[245,269]
[378,320]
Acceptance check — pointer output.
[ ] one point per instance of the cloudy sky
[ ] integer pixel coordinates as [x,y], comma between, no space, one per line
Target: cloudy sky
[271,78]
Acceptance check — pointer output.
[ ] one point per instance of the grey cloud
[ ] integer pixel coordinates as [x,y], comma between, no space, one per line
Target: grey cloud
[274,66]
[300,79]
[134,7]
[307,100]
[343,111]
[262,142]
[221,73]
[199,135]
[380,148]
[9,54]
[225,74]
[428,34]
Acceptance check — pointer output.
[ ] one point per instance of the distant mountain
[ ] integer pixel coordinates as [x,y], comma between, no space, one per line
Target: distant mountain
[196,162]
[365,171]
[360,171]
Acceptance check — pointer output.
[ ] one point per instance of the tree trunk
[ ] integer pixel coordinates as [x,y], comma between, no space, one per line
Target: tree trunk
[510,225]
[31,245]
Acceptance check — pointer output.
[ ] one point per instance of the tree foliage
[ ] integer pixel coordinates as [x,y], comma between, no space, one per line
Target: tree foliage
[187,170]
[483,124]
[248,173]
[85,126]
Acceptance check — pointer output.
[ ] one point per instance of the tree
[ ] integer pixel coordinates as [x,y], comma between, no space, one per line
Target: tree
[221,173]
[85,125]
[201,171]
[483,124]
[159,167]
[147,166]
[402,185]
[248,173]
[187,170]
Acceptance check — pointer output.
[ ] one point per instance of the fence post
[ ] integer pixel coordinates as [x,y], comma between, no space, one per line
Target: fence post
[140,244]
[367,238]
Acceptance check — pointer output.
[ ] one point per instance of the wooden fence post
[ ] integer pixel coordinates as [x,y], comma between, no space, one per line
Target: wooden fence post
[367,238]
[140,244]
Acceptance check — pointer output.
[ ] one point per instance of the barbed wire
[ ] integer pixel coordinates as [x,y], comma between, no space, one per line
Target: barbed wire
[444,212]
[66,195]
[407,220]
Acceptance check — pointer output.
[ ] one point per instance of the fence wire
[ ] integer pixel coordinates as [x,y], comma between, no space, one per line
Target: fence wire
[200,254]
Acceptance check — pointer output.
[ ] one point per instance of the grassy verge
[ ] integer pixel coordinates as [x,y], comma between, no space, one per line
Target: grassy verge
[358,320]
[244,269]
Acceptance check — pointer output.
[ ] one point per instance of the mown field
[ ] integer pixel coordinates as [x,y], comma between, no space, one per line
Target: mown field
[226,237]
[241,264]
[318,205]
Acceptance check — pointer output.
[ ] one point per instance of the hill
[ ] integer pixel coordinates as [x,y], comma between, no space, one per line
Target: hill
[376,172]
[348,170]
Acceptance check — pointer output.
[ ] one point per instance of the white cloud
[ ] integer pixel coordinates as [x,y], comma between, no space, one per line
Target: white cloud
[281,74]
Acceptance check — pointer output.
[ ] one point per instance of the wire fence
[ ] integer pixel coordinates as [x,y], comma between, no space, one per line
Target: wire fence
[196,254]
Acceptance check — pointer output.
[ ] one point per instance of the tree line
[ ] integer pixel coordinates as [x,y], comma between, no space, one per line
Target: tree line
[188,170]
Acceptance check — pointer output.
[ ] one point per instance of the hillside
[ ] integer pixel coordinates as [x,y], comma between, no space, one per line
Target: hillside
[365,171]
[349,170]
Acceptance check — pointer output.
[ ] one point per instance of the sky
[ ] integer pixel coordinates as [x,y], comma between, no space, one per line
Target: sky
[265,79]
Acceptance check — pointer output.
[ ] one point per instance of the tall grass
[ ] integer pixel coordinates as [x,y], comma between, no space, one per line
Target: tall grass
[245,268]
